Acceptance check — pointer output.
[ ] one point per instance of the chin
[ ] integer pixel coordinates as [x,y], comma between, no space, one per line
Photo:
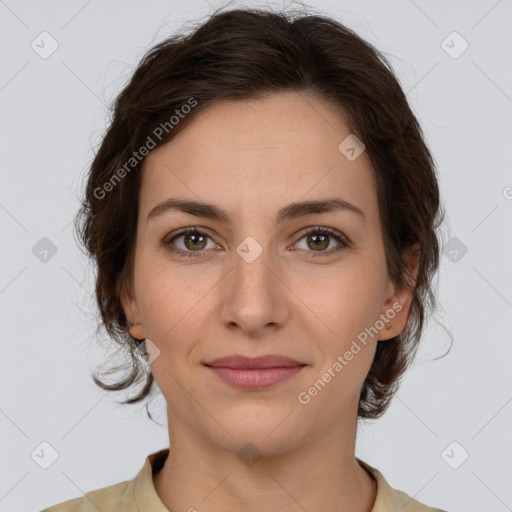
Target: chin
[267,435]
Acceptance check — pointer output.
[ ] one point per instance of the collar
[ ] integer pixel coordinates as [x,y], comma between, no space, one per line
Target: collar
[146,497]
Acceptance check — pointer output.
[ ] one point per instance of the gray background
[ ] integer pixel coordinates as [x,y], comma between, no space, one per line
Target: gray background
[53,113]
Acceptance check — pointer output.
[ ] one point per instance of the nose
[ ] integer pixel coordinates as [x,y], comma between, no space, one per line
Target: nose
[255,297]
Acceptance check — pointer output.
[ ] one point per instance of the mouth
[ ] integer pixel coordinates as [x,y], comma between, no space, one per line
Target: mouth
[245,362]
[254,373]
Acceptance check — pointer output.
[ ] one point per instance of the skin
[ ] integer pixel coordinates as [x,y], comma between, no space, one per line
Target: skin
[252,158]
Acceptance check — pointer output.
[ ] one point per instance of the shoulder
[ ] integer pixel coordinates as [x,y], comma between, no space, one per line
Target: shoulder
[404,503]
[106,499]
[128,496]
[393,500]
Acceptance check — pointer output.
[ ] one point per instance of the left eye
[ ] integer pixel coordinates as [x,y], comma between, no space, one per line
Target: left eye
[319,239]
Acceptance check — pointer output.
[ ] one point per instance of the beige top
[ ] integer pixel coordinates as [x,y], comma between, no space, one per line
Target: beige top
[139,495]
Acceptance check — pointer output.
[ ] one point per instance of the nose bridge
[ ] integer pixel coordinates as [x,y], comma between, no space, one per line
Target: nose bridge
[252,265]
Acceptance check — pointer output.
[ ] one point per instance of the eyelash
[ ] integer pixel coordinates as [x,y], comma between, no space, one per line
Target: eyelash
[318,230]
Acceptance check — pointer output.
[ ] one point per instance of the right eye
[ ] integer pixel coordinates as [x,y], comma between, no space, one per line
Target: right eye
[193,242]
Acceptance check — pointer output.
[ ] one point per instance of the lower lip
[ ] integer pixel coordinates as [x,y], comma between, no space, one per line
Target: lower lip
[255,378]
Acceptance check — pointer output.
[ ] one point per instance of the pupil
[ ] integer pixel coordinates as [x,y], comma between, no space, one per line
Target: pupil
[321,241]
[196,239]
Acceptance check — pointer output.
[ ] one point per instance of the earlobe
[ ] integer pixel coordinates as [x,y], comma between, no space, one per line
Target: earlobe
[394,318]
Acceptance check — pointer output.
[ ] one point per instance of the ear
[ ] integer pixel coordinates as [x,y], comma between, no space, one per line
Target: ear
[399,298]
[131,308]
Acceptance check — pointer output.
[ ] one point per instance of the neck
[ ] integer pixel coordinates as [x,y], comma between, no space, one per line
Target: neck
[324,475]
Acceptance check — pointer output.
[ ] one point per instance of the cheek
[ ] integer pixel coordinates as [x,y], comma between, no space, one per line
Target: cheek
[350,309]
[172,299]
[172,309]
[350,299]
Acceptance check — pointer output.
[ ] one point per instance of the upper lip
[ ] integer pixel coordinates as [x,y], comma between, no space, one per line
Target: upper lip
[267,361]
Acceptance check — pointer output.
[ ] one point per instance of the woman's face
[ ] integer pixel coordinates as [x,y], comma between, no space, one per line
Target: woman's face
[252,281]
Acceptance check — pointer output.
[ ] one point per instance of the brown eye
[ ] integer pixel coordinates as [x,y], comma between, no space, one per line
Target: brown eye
[190,242]
[194,241]
[319,239]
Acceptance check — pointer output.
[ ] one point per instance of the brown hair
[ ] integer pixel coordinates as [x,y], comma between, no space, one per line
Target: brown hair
[244,54]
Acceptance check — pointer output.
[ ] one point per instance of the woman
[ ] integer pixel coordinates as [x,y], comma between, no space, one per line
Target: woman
[263,212]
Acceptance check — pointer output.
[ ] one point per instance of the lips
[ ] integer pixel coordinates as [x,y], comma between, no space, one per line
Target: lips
[254,373]
[244,362]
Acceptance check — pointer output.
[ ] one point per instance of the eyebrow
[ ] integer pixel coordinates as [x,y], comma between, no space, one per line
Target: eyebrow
[292,211]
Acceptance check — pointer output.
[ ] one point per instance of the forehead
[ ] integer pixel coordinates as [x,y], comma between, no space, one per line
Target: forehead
[257,154]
